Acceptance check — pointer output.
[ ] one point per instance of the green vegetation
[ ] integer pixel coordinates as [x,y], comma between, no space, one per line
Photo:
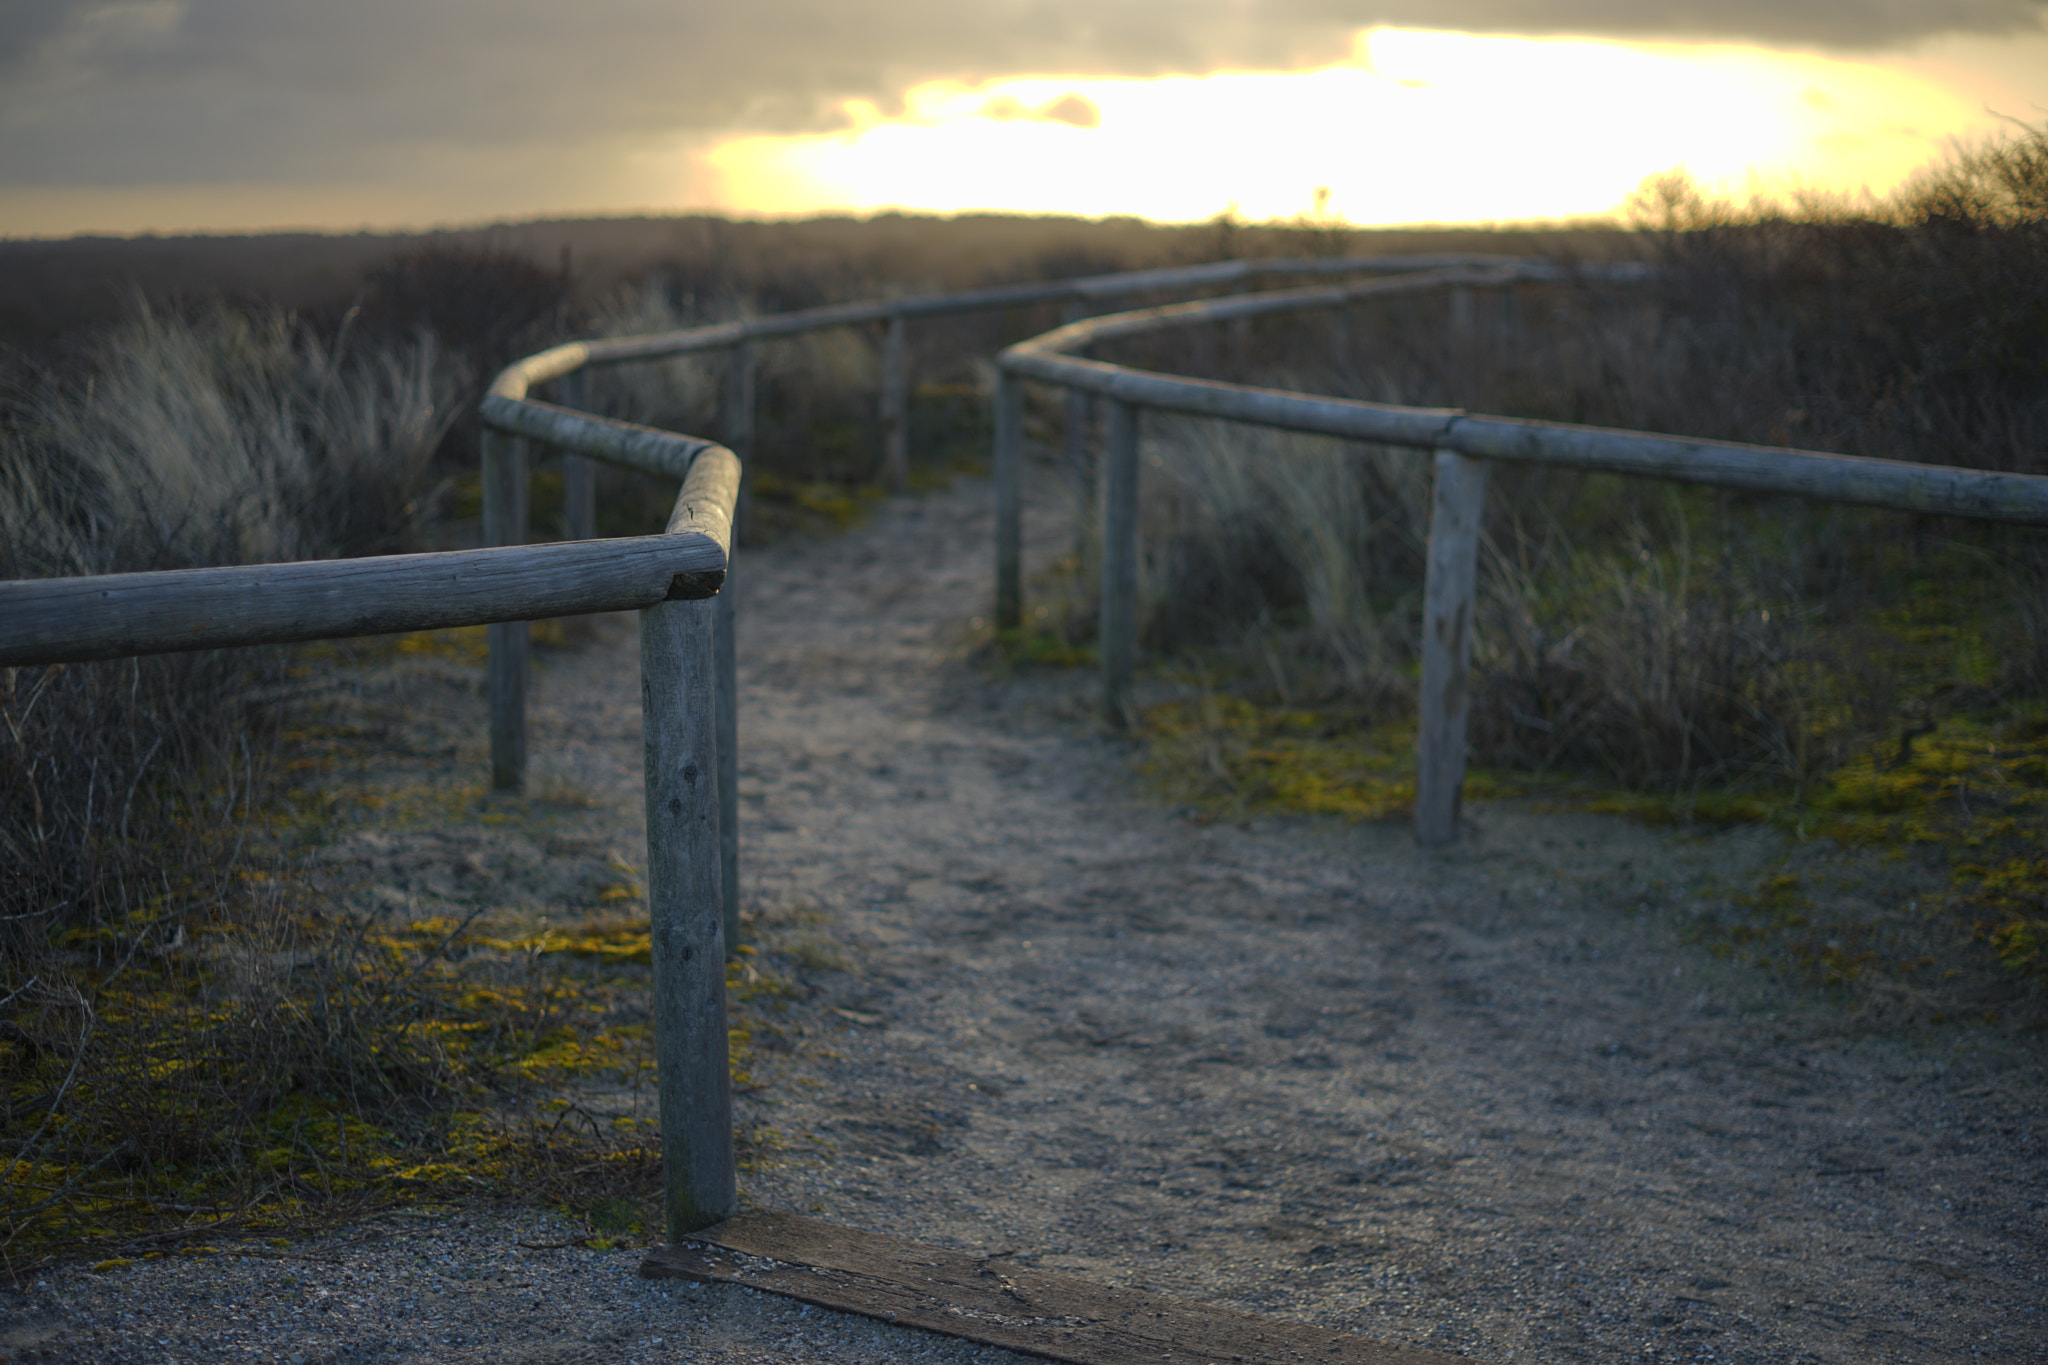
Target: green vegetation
[1871,684]
[198,1035]
[176,1006]
[199,1039]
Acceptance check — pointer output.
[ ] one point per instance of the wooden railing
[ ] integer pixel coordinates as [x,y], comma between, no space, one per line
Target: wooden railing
[675,580]
[679,581]
[514,421]
[510,414]
[1462,445]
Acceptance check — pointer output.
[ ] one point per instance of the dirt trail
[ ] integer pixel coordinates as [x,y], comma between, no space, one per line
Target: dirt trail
[1484,1100]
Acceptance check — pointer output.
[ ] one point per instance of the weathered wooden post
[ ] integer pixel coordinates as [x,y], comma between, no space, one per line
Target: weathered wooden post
[579,492]
[1077,404]
[1340,337]
[736,421]
[1078,434]
[727,662]
[1447,604]
[680,681]
[736,424]
[1461,312]
[679,723]
[895,410]
[1119,638]
[510,642]
[579,472]
[1009,476]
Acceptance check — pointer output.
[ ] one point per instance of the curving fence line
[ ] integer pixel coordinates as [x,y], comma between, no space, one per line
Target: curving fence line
[686,632]
[1462,444]
[680,581]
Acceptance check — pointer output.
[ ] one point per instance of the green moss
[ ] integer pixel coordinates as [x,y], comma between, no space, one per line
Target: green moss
[1967,803]
[449,1043]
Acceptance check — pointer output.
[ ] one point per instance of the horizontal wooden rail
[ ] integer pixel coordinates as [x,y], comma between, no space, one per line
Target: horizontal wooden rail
[1898,484]
[513,418]
[647,449]
[680,582]
[114,616]
[562,360]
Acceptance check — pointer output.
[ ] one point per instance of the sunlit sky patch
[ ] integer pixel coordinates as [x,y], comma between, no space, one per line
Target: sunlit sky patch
[1418,127]
[184,115]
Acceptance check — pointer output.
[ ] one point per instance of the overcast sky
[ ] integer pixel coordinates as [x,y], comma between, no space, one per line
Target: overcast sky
[168,94]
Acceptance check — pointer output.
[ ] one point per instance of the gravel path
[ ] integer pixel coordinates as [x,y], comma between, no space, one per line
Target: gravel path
[1485,1100]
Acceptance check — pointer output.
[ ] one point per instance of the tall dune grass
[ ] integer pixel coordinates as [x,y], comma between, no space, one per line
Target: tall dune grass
[225,439]
[146,911]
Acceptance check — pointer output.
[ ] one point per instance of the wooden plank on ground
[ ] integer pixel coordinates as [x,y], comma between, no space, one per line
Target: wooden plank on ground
[987,1300]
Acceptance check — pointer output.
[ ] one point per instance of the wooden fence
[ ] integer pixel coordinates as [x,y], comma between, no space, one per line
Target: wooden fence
[1462,445]
[680,581]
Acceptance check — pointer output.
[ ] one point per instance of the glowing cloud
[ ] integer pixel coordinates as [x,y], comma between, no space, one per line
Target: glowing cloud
[1418,126]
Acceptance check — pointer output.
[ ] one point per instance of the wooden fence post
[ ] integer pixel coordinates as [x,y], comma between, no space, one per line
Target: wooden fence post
[579,472]
[1009,475]
[1461,312]
[736,424]
[504,490]
[579,494]
[1077,410]
[895,409]
[679,725]
[726,648]
[1119,639]
[1456,507]
[1239,331]
[1340,338]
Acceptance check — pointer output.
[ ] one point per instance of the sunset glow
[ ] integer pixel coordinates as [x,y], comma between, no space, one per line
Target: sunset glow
[1400,125]
[1418,127]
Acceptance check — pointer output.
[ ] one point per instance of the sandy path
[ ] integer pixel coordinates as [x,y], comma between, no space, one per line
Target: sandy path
[1484,1100]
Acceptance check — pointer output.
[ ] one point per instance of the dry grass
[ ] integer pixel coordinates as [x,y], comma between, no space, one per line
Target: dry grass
[194,1035]
[191,1037]
[1678,654]
[167,982]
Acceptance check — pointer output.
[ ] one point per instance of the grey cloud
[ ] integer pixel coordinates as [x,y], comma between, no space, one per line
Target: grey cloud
[117,92]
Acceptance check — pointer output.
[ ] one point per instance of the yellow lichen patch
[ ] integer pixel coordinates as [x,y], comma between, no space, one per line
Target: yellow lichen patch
[313,811]
[463,644]
[285,1067]
[836,506]
[2012,896]
[566,1053]
[467,644]
[1041,645]
[1232,758]
[624,942]
[1970,794]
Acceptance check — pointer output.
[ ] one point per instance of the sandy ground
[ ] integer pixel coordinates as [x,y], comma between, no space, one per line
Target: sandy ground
[1486,1100]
